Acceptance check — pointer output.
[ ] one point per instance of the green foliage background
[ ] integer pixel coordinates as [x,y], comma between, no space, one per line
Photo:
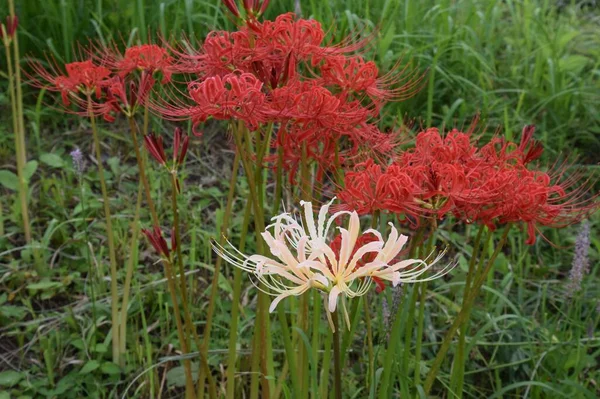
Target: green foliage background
[514,62]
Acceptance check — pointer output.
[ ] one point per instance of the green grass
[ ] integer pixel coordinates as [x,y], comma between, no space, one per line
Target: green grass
[514,62]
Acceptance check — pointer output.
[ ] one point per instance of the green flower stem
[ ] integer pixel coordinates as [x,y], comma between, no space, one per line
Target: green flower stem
[19,143]
[187,366]
[408,332]
[189,326]
[305,194]
[92,274]
[371,377]
[390,353]
[421,315]
[458,368]
[316,323]
[337,364]
[463,314]
[133,249]
[324,385]
[142,170]
[371,353]
[114,294]
[237,292]
[349,332]
[215,281]
[416,289]
[278,180]
[259,222]
[17,103]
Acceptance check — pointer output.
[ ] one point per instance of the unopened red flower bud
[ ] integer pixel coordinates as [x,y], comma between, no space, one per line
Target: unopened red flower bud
[9,28]
[176,143]
[157,240]
[230,4]
[184,148]
[155,147]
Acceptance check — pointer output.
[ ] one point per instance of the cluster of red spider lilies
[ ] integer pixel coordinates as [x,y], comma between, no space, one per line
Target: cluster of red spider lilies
[310,110]
[320,103]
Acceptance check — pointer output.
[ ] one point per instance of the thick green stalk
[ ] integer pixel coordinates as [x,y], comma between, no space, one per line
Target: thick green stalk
[19,143]
[463,314]
[421,315]
[349,332]
[324,385]
[305,193]
[237,292]
[215,281]
[408,332]
[259,223]
[133,249]
[458,368]
[420,325]
[92,274]
[316,322]
[187,366]
[390,353]
[21,151]
[337,364]
[142,170]
[187,316]
[371,353]
[114,294]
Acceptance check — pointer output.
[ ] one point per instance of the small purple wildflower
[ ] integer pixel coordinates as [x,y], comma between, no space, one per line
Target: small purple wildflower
[581,263]
[78,161]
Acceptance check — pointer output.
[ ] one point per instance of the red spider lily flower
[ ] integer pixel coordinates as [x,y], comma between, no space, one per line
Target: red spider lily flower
[82,77]
[154,145]
[155,236]
[529,148]
[7,31]
[149,58]
[217,57]
[236,95]
[313,107]
[355,75]
[537,199]
[368,188]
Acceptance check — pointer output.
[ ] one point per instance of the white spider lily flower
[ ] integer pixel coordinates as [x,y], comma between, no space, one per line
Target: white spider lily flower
[303,258]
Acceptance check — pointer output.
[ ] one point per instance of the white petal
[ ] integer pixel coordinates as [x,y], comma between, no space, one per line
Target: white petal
[322,215]
[296,291]
[333,294]
[374,246]
[310,219]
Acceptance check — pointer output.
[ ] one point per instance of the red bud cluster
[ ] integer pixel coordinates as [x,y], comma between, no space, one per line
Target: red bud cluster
[154,145]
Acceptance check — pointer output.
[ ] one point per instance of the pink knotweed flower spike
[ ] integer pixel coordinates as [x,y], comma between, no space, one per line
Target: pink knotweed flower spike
[303,258]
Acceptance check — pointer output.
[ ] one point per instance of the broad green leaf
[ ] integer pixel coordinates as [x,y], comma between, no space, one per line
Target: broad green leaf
[89,367]
[44,285]
[30,169]
[176,376]
[110,368]
[9,180]
[52,160]
[10,377]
